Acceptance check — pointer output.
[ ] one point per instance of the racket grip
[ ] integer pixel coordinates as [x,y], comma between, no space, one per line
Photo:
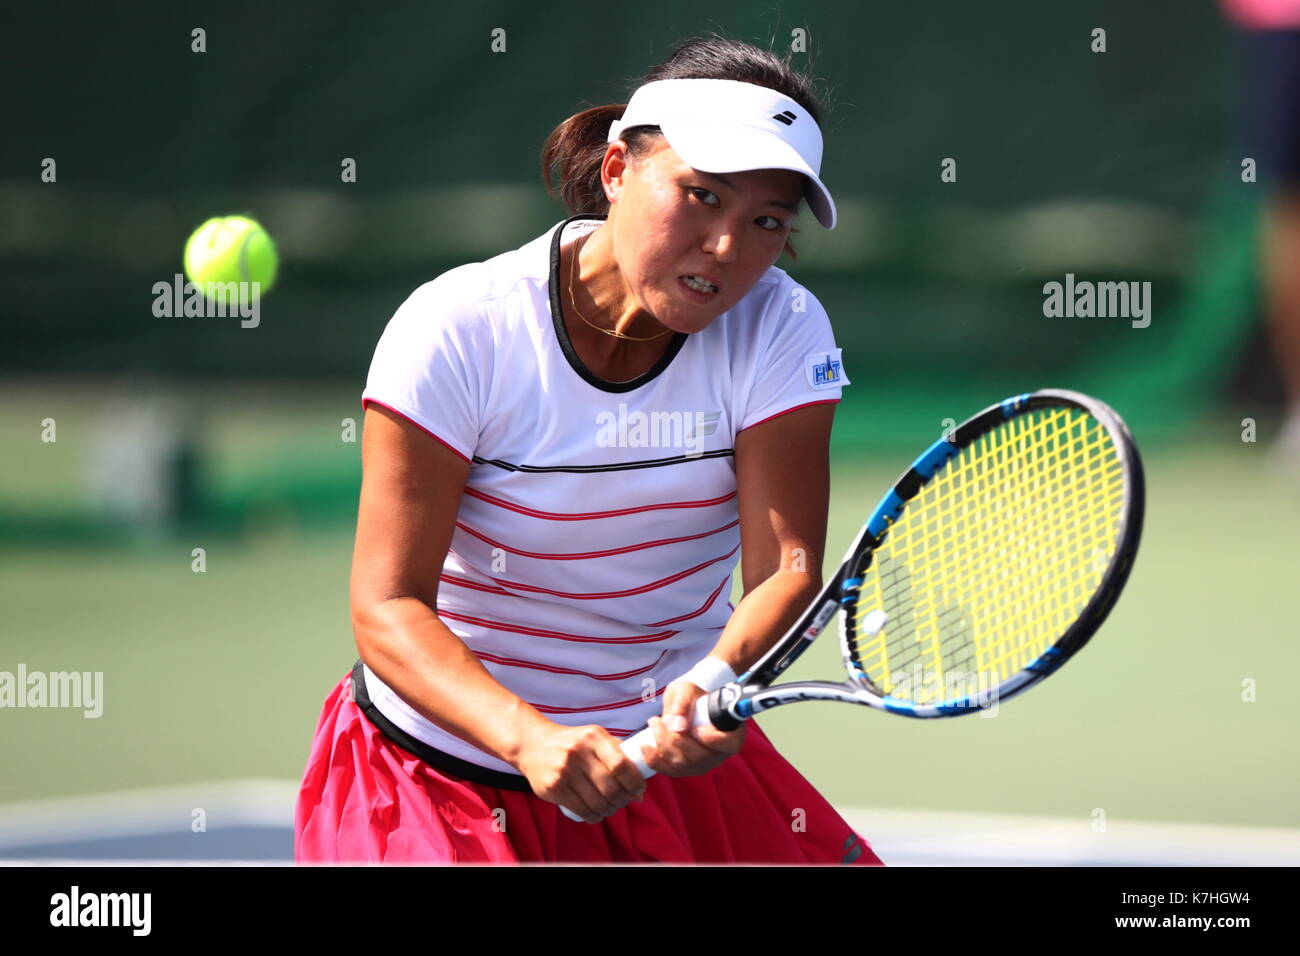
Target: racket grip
[646,737]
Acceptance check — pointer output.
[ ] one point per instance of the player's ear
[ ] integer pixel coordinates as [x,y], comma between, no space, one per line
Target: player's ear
[614,168]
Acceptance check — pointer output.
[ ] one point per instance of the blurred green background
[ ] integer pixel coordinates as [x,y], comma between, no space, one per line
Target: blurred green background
[176,434]
[222,674]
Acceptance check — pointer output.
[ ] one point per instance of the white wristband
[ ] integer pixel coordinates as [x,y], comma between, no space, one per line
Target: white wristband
[709,674]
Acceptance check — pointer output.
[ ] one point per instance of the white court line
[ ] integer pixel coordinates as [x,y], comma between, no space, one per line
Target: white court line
[147,812]
[53,861]
[899,837]
[915,837]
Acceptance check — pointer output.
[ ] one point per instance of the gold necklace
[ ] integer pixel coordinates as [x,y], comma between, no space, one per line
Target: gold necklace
[573,271]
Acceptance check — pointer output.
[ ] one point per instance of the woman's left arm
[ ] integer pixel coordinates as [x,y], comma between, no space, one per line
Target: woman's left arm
[783,490]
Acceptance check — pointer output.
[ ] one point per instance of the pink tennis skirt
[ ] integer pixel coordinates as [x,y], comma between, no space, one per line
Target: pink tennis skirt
[366,800]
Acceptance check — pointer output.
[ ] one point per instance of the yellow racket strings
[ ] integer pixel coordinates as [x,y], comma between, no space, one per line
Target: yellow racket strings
[995,558]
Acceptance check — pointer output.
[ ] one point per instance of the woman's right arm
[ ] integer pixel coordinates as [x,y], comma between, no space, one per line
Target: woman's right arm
[410,493]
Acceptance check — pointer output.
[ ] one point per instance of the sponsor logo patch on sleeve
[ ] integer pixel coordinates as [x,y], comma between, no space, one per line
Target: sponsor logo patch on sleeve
[825,369]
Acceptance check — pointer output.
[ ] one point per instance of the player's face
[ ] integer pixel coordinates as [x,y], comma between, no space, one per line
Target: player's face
[672,222]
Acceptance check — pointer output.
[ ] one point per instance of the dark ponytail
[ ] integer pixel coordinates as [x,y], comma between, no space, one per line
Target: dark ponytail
[573,152]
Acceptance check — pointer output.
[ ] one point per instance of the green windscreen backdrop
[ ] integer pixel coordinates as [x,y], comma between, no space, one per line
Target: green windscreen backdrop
[1116,166]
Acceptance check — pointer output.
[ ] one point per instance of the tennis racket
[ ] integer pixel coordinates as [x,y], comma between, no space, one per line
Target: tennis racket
[992,560]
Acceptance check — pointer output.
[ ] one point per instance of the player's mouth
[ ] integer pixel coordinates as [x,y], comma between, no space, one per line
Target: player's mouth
[698,288]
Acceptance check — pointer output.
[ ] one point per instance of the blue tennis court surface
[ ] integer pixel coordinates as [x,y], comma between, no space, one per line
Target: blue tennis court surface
[251,821]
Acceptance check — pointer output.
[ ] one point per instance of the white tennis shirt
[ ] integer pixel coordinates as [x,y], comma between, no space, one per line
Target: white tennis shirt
[598,531]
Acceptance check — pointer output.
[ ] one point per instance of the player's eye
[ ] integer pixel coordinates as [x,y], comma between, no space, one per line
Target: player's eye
[772,223]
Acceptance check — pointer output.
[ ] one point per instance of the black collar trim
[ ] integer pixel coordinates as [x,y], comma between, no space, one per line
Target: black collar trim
[562,334]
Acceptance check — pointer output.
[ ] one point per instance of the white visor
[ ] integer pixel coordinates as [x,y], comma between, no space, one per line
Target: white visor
[725,126]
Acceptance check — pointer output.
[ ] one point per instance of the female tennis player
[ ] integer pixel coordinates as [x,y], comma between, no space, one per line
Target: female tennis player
[567,449]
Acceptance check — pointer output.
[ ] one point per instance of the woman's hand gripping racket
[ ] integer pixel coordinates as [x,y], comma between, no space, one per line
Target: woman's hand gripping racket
[989,563]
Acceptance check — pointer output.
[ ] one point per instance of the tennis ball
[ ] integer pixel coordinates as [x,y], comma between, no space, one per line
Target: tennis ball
[231,249]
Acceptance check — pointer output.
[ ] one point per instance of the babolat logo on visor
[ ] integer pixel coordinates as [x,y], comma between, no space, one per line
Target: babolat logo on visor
[825,369]
[786,117]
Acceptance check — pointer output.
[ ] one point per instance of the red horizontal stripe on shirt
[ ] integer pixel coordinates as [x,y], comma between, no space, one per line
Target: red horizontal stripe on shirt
[552,669]
[476,585]
[583,555]
[493,589]
[644,588]
[614,705]
[557,635]
[592,515]
[696,613]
